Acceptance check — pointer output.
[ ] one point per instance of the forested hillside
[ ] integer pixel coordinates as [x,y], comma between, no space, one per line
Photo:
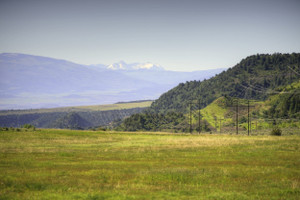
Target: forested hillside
[255,77]
[286,104]
[282,109]
[272,82]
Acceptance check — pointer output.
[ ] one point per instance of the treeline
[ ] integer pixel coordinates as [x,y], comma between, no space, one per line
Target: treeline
[171,121]
[253,78]
[72,120]
[154,122]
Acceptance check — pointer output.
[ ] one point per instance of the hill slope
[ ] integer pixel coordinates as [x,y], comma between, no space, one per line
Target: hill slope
[286,104]
[270,81]
[255,77]
[282,109]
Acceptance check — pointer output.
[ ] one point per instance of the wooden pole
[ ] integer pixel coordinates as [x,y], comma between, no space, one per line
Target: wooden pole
[190,119]
[199,117]
[237,116]
[248,118]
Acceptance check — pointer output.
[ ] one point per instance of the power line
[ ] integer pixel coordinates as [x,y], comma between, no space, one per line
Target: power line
[294,71]
[268,92]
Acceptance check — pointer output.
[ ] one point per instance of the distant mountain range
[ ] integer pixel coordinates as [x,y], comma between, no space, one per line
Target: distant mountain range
[134,66]
[28,81]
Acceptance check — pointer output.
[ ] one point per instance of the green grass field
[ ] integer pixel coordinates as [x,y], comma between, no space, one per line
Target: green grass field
[65,164]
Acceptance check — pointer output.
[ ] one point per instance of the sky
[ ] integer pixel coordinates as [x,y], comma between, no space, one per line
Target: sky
[183,35]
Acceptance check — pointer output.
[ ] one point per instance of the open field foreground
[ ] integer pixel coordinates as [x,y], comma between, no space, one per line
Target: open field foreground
[64,164]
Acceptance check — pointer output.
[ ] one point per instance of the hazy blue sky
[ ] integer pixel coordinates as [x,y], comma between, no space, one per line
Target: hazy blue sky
[179,35]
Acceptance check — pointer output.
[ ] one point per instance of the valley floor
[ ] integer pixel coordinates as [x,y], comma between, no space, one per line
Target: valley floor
[65,164]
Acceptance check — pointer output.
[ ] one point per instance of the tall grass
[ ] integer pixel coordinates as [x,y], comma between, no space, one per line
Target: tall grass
[63,164]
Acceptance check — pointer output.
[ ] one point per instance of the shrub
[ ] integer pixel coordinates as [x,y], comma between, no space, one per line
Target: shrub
[276,131]
[28,126]
[3,128]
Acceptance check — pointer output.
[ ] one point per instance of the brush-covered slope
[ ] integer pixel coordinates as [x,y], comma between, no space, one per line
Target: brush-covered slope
[281,108]
[286,104]
[283,105]
[255,77]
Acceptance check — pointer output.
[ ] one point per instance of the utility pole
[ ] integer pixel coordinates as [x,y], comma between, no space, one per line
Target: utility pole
[248,117]
[256,125]
[237,116]
[250,123]
[199,114]
[220,124]
[199,117]
[190,119]
[216,123]
[237,107]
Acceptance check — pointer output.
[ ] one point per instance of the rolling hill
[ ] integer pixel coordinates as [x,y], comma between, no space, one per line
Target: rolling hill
[282,110]
[269,82]
[255,77]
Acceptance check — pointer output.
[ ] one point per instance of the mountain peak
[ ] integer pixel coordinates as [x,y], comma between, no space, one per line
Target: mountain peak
[149,66]
[121,65]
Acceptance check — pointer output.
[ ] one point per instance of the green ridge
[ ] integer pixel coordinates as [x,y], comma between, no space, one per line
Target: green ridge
[270,82]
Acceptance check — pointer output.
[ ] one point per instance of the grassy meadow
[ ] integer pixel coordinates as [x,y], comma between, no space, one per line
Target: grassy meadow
[65,164]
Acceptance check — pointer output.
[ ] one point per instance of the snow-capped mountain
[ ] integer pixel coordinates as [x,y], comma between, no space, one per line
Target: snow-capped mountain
[28,81]
[134,66]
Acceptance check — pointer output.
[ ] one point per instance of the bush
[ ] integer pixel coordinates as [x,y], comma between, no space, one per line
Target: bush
[276,131]
[28,126]
[3,128]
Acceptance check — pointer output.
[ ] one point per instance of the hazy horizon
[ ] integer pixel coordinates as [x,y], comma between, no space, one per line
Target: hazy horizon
[178,35]
[120,61]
